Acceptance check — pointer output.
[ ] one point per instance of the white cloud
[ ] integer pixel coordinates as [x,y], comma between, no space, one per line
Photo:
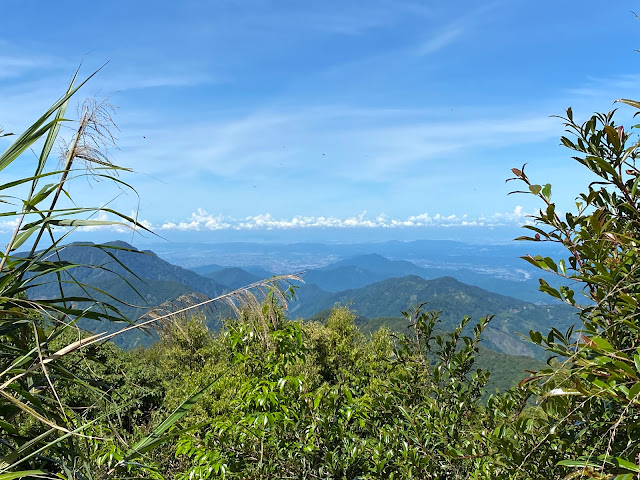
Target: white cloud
[201,220]
[140,80]
[9,225]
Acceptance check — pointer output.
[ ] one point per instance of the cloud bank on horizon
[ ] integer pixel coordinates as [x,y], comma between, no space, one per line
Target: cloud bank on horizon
[201,220]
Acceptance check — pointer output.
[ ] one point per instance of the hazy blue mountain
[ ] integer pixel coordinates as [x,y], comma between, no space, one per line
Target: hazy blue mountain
[233,277]
[376,263]
[494,267]
[455,299]
[258,271]
[362,270]
[290,257]
[209,268]
[342,278]
[359,271]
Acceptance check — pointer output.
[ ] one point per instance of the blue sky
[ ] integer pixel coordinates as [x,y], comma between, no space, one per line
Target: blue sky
[301,116]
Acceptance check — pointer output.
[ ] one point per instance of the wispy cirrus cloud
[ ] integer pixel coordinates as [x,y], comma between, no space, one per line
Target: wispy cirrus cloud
[344,18]
[600,92]
[328,142]
[13,66]
[439,41]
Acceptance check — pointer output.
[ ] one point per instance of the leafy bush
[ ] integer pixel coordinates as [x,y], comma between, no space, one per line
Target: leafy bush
[592,392]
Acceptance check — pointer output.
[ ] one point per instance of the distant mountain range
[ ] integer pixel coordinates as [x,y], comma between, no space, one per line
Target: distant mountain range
[494,267]
[377,288]
[362,270]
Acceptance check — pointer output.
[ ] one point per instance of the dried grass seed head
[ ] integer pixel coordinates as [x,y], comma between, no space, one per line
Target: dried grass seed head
[95,136]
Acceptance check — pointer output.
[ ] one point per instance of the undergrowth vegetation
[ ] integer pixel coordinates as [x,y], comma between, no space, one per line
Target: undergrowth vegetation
[270,397]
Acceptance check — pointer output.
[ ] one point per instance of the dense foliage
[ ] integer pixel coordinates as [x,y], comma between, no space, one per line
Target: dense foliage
[593,392]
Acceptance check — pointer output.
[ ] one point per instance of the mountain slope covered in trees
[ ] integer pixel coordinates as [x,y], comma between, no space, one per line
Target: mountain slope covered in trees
[455,299]
[138,279]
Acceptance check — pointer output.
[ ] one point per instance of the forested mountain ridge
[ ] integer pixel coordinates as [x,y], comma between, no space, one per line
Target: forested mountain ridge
[361,270]
[139,279]
[455,299]
[144,263]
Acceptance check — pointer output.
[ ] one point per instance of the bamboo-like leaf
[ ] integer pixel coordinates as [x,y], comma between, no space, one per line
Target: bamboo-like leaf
[29,410]
[84,223]
[23,474]
[632,103]
[23,237]
[53,132]
[9,459]
[35,131]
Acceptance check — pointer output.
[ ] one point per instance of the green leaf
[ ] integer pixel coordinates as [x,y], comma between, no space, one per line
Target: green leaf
[536,337]
[41,195]
[578,464]
[632,103]
[626,464]
[634,188]
[551,264]
[24,474]
[23,236]
[602,344]
[603,164]
[562,267]
[535,189]
[634,391]
[612,136]
[532,261]
[567,143]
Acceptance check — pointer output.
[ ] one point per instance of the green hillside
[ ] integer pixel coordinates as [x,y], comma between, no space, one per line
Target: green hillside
[147,281]
[361,270]
[145,264]
[390,297]
[506,370]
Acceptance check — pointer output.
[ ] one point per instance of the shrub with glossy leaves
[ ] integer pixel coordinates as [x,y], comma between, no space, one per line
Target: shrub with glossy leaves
[592,396]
